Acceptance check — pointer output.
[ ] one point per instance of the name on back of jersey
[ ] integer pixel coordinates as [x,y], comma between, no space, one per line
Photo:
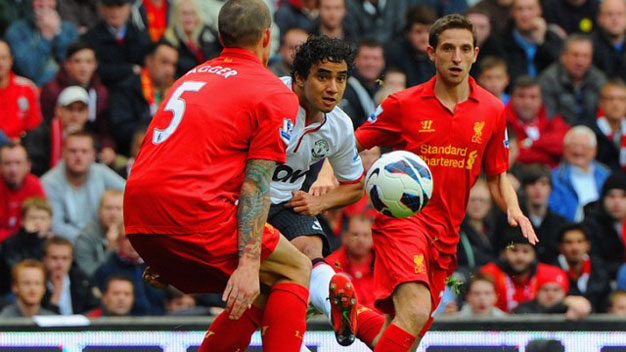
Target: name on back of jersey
[217,70]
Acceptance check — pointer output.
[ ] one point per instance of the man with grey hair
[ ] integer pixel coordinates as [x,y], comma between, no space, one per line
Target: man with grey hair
[577,181]
[572,85]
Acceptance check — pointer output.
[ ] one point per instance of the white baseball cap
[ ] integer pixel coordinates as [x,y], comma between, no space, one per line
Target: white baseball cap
[73,94]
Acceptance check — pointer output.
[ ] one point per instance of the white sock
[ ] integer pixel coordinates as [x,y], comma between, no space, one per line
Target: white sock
[318,287]
[303,348]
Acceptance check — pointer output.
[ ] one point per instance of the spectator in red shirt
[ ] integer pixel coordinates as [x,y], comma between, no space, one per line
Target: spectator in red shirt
[517,273]
[540,138]
[153,16]
[19,98]
[17,184]
[356,257]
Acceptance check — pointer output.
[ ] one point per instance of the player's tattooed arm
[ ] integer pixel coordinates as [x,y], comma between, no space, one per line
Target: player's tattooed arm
[254,203]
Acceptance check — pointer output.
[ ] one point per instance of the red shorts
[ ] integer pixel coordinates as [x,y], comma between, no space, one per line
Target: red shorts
[184,261]
[404,253]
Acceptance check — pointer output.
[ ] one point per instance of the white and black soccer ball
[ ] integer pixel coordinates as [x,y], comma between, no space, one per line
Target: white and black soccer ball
[399,184]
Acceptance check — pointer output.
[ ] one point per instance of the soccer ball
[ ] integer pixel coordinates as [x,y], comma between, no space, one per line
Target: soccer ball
[399,184]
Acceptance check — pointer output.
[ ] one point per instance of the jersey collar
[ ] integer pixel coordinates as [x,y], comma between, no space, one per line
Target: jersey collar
[240,53]
[429,89]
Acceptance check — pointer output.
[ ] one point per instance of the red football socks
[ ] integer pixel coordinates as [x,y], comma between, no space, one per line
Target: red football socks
[284,320]
[226,335]
[395,339]
[368,324]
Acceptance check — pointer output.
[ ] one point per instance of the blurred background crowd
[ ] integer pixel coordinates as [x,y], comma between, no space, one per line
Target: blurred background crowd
[81,79]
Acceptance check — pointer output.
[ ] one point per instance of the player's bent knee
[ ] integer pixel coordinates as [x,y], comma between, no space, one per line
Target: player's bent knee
[412,303]
[311,246]
[304,270]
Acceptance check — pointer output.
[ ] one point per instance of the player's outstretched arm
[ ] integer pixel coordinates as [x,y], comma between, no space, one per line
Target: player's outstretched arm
[504,195]
[311,205]
[254,202]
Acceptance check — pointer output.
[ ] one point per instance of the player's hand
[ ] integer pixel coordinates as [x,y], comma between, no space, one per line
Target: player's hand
[516,218]
[153,279]
[323,185]
[242,289]
[305,204]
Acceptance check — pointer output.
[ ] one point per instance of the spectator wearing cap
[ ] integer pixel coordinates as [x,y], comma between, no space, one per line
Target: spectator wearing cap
[517,274]
[571,86]
[607,223]
[16,185]
[552,299]
[481,298]
[587,275]
[45,143]
[408,52]
[79,69]
[577,181]
[120,46]
[75,185]
[189,31]
[40,41]
[136,100]
[540,138]
[610,126]
[536,187]
[19,99]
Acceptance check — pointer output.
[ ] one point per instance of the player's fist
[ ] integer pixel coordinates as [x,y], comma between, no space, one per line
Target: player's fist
[306,204]
[153,279]
[323,185]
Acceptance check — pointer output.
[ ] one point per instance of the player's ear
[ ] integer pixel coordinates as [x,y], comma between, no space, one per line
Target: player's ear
[431,53]
[299,79]
[267,37]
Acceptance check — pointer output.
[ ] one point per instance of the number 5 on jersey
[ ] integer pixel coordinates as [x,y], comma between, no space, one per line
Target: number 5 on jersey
[177,106]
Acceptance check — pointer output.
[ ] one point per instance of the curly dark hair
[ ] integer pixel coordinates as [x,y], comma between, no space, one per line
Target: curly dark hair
[318,49]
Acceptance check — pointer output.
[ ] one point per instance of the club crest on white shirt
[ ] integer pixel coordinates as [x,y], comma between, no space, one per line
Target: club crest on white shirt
[320,148]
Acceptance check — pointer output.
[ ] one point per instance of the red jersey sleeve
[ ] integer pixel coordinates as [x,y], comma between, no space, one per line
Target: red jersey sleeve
[273,121]
[383,128]
[496,157]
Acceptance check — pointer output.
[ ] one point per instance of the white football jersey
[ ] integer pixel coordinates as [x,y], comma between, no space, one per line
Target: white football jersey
[333,138]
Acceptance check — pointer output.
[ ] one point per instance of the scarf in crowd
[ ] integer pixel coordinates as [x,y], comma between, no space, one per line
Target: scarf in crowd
[605,128]
[157,19]
[580,280]
[148,91]
[56,141]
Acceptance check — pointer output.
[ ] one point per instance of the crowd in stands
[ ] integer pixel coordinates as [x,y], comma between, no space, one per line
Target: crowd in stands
[81,79]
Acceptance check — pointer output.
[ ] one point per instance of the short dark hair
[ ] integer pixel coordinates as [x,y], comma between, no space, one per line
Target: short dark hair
[318,49]
[576,37]
[55,241]
[525,81]
[84,134]
[572,227]
[13,145]
[476,10]
[533,172]
[368,42]
[453,21]
[420,14]
[77,46]
[118,277]
[489,62]
[242,22]
[155,46]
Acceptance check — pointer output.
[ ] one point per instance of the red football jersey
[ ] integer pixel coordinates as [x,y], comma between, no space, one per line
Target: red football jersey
[454,144]
[19,103]
[11,204]
[190,168]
